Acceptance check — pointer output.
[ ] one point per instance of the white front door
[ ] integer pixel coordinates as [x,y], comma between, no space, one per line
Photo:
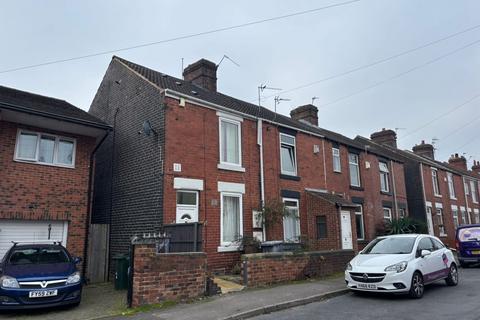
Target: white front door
[346,230]
[430,221]
[187,206]
[31,232]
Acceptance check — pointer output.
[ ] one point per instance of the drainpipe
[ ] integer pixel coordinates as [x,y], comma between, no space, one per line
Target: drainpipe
[89,202]
[394,189]
[262,178]
[324,164]
[466,199]
[423,192]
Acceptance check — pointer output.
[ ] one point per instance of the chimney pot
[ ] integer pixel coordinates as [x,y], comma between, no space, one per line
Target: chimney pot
[385,136]
[459,162]
[307,113]
[424,150]
[202,73]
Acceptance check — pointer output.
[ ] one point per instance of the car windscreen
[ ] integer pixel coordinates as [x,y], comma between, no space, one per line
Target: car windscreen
[469,234]
[38,255]
[401,245]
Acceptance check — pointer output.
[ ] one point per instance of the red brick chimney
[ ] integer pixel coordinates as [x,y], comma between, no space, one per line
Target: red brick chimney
[203,73]
[457,161]
[386,137]
[476,167]
[425,150]
[307,113]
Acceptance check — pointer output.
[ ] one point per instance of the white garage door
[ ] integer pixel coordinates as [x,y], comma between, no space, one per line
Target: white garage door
[31,232]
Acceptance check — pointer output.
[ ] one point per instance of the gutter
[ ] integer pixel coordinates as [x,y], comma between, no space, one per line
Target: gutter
[262,177]
[88,123]
[394,189]
[176,95]
[89,202]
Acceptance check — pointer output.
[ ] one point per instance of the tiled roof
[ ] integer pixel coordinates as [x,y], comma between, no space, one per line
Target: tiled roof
[168,82]
[333,199]
[26,101]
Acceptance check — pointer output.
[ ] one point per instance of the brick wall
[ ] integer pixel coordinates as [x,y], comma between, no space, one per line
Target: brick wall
[32,191]
[263,269]
[167,276]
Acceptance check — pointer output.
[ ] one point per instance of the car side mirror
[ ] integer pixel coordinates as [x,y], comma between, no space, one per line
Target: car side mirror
[424,253]
[77,260]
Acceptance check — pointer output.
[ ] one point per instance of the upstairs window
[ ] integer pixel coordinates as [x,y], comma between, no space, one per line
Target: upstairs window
[451,186]
[384,177]
[436,186]
[288,157]
[465,184]
[45,149]
[354,170]
[337,166]
[473,191]
[230,142]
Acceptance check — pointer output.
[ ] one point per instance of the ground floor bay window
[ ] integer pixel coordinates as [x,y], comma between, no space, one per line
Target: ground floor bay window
[291,221]
[231,220]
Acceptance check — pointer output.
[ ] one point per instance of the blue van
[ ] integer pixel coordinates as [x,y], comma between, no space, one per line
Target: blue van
[467,241]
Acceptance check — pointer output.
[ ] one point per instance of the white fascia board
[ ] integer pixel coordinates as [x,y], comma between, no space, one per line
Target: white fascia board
[231,187]
[186,183]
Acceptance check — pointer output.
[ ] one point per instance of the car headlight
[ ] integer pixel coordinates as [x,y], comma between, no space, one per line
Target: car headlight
[349,267]
[398,267]
[74,278]
[9,282]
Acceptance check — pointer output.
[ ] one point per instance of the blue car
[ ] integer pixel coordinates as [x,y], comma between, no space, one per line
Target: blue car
[39,275]
[467,241]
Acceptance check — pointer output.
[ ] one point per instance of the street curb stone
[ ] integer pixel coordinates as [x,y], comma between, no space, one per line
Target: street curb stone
[286,305]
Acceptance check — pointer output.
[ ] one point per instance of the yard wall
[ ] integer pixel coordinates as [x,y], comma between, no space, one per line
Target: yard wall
[159,277]
[263,269]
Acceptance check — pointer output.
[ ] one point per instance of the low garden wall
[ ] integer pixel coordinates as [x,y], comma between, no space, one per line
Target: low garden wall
[261,269]
[159,277]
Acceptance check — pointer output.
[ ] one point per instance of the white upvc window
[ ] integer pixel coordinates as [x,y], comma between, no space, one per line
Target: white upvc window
[231,224]
[473,191]
[45,149]
[441,226]
[337,164]
[288,156]
[465,184]
[464,216]
[230,142]
[359,223]
[402,213]
[387,214]
[476,214]
[455,216]
[291,221]
[384,177]
[354,167]
[451,186]
[436,186]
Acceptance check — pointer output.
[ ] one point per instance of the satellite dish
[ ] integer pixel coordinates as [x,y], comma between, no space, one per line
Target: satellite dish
[147,128]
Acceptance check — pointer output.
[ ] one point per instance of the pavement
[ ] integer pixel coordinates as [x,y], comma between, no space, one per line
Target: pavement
[250,302]
[98,300]
[440,302]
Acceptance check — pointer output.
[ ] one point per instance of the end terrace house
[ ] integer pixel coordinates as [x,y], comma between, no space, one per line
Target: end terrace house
[46,148]
[183,152]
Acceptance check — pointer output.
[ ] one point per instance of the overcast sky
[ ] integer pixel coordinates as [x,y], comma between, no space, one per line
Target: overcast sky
[285,53]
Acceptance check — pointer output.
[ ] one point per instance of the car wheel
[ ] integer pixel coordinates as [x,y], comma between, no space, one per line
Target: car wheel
[452,279]
[417,286]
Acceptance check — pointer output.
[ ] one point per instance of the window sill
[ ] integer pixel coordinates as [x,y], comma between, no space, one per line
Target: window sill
[46,164]
[357,188]
[438,195]
[443,235]
[234,248]
[289,177]
[230,167]
[339,172]
[453,198]
[386,193]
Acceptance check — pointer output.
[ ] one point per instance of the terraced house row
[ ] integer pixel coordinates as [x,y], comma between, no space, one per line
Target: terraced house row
[182,153]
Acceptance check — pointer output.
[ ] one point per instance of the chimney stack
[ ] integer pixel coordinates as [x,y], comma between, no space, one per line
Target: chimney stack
[307,113]
[425,150]
[386,137]
[457,161]
[476,167]
[202,73]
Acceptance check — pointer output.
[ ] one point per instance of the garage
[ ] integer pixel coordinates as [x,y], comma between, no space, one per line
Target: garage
[31,232]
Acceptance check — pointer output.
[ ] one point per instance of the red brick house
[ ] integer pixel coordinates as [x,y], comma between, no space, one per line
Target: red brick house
[442,195]
[46,148]
[183,152]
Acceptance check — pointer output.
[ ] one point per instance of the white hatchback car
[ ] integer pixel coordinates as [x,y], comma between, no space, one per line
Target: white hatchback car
[403,264]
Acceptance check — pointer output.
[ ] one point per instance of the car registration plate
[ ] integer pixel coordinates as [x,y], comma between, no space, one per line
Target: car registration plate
[42,293]
[368,286]
[475,251]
